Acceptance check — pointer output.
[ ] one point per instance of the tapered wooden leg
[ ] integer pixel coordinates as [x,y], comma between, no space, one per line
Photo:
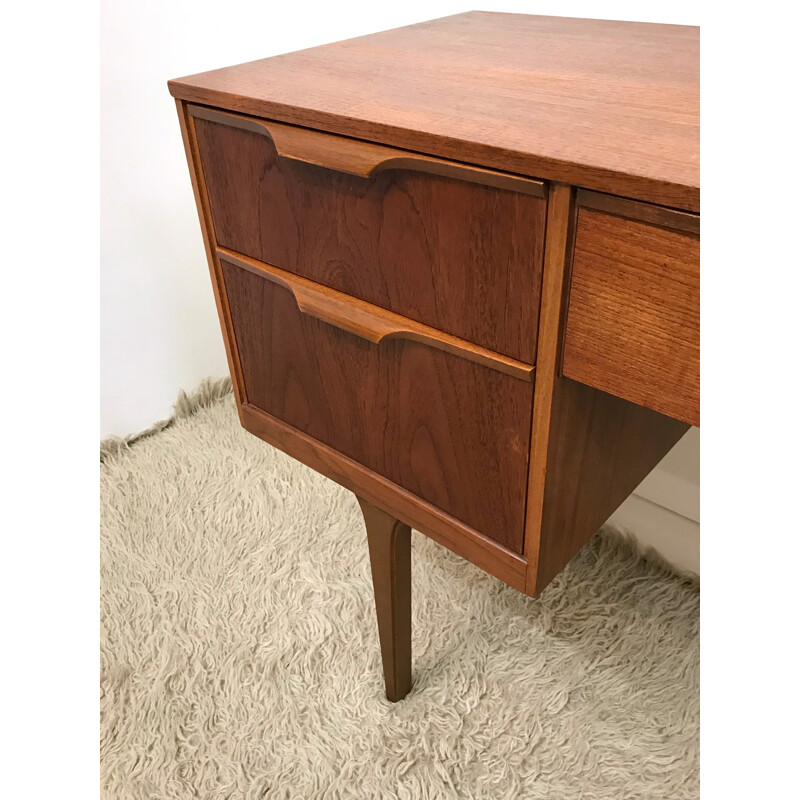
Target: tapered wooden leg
[390,557]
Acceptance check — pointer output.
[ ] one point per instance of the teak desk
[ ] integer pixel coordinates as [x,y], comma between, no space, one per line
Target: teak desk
[457,270]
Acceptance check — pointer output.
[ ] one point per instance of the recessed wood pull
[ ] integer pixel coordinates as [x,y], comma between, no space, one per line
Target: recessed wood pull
[363,159]
[371,322]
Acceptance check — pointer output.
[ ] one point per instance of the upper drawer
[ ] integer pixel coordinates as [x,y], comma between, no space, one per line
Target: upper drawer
[633,321]
[452,246]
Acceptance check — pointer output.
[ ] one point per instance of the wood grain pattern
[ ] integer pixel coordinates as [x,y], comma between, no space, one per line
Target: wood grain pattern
[370,322]
[633,326]
[559,222]
[589,450]
[374,219]
[600,449]
[611,106]
[644,212]
[390,560]
[443,528]
[363,159]
[453,255]
[452,432]
[189,137]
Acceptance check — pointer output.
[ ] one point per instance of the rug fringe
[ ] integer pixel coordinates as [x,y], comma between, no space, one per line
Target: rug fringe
[209,392]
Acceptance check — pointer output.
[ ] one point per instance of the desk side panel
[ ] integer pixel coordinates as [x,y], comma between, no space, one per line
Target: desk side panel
[590,449]
[600,449]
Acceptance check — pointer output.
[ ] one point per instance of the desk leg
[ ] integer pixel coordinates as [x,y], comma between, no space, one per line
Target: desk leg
[390,557]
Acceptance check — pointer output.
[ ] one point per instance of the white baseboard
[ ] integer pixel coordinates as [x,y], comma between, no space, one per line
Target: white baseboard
[675,482]
[675,537]
[664,511]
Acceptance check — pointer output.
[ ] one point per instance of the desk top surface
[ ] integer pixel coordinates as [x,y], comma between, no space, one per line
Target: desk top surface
[612,106]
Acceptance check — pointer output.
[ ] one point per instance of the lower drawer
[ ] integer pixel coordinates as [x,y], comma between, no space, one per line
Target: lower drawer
[452,431]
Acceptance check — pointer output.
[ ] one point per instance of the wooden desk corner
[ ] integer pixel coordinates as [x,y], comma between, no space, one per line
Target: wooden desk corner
[456,267]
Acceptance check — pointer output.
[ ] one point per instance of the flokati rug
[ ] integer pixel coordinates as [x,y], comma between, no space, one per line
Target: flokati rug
[240,654]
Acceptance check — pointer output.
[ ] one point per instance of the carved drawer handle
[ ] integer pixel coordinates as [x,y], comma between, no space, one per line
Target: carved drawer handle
[363,159]
[371,322]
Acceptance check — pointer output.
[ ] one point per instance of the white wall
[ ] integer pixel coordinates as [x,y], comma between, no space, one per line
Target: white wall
[159,330]
[664,511]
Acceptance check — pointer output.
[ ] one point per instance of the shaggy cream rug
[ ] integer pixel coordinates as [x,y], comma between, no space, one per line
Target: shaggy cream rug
[240,653]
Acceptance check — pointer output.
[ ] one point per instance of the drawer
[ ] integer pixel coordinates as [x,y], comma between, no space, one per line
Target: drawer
[446,421]
[633,319]
[452,246]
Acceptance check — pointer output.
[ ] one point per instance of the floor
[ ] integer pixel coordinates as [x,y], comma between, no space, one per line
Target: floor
[240,655]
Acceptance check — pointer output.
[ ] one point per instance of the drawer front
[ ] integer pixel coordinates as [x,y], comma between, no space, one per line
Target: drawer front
[452,431]
[633,321]
[461,256]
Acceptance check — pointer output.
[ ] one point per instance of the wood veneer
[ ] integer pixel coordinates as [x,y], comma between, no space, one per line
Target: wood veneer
[600,448]
[589,450]
[670,218]
[559,224]
[607,105]
[389,543]
[633,325]
[452,432]
[370,322]
[448,253]
[189,137]
[389,267]
[461,539]
[363,159]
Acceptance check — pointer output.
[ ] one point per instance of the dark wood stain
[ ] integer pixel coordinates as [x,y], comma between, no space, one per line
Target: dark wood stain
[385,291]
[600,449]
[455,535]
[452,432]
[389,542]
[461,257]
[371,322]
